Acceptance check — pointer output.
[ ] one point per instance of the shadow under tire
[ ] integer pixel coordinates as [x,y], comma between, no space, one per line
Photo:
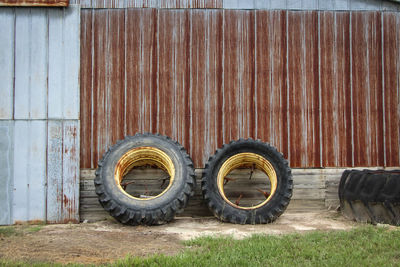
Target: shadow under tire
[237,154]
[139,150]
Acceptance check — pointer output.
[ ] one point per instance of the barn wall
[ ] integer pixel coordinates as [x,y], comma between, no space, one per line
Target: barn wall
[39,115]
[321,86]
[244,4]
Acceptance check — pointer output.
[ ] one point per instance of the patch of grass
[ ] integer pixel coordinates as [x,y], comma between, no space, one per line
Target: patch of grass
[6,231]
[34,229]
[364,246]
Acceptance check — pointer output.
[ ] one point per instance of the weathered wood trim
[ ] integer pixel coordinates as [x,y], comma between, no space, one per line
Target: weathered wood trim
[314,190]
[40,3]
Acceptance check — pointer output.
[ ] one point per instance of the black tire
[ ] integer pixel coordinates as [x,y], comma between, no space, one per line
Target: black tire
[227,211]
[370,196]
[134,211]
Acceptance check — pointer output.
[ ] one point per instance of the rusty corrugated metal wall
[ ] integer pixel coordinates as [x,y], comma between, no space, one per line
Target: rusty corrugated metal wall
[322,86]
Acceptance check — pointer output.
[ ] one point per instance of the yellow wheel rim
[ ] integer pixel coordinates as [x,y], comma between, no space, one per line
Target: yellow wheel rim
[139,157]
[246,160]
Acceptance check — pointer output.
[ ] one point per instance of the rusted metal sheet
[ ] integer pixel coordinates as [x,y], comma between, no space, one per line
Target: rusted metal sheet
[391,89]
[239,75]
[63,172]
[46,3]
[141,71]
[206,83]
[206,77]
[70,167]
[86,92]
[148,3]
[303,84]
[173,106]
[336,122]
[7,19]
[366,44]
[191,4]
[271,79]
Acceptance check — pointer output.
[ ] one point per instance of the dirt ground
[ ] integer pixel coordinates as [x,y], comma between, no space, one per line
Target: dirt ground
[107,241]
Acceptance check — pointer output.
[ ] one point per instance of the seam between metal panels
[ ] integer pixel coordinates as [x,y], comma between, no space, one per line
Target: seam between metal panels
[255,78]
[125,94]
[91,90]
[351,89]
[383,92]
[319,90]
[158,73]
[14,49]
[47,121]
[190,87]
[287,86]
[223,77]
[62,170]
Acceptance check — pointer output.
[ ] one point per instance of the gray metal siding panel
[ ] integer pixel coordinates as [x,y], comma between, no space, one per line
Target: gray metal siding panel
[29,166]
[31,49]
[6,63]
[64,62]
[38,150]
[54,171]
[6,173]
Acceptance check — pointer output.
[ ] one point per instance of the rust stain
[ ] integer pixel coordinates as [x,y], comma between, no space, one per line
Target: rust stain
[391,66]
[206,77]
[367,89]
[44,3]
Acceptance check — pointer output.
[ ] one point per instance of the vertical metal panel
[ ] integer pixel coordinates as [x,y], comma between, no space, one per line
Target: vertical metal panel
[70,167]
[99,125]
[239,71]
[6,173]
[7,19]
[335,89]
[115,73]
[174,75]
[141,71]
[86,88]
[31,49]
[54,171]
[303,89]
[367,89]
[271,88]
[63,78]
[206,83]
[391,70]
[29,166]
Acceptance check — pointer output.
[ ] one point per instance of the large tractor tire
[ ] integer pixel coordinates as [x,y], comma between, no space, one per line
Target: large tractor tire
[145,150]
[370,196]
[244,154]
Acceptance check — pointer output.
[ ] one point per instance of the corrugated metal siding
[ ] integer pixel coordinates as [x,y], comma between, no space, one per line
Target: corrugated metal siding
[355,5]
[148,3]
[40,55]
[311,83]
[57,3]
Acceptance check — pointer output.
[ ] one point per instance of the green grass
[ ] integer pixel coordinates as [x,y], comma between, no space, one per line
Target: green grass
[363,246]
[6,231]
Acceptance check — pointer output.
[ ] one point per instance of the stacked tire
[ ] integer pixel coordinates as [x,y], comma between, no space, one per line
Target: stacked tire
[370,196]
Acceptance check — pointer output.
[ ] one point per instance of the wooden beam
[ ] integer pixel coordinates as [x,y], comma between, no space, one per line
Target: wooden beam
[42,3]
